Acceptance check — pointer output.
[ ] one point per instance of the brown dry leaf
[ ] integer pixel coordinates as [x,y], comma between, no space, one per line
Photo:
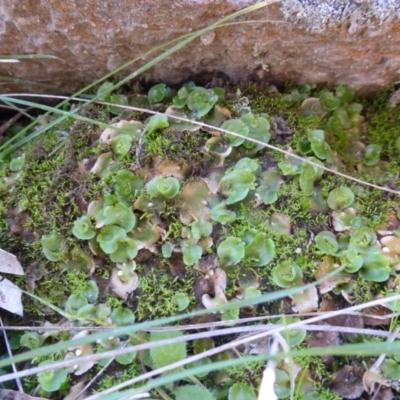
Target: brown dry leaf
[334,303]
[372,381]
[177,266]
[391,249]
[193,201]
[384,394]
[103,165]
[305,301]
[326,267]
[74,391]
[348,382]
[123,289]
[378,311]
[206,264]
[178,125]
[6,394]
[246,280]
[212,180]
[324,339]
[163,167]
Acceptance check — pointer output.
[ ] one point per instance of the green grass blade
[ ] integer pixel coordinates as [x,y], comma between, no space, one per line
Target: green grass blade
[30,57]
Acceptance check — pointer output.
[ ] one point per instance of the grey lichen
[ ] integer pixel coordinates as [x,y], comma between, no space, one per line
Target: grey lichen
[317,15]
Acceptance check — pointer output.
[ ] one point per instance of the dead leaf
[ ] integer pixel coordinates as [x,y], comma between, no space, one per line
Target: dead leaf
[9,264]
[348,382]
[324,339]
[334,303]
[372,381]
[10,297]
[305,301]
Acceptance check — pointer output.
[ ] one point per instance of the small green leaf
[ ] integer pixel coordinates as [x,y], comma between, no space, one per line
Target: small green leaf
[375,267]
[230,251]
[91,291]
[109,237]
[52,379]
[121,145]
[258,129]
[122,316]
[344,93]
[268,187]
[104,91]
[201,229]
[74,302]
[167,249]
[329,101]
[235,126]
[191,254]
[161,187]
[156,122]
[282,384]
[261,250]
[363,239]
[126,251]
[157,93]
[318,145]
[167,354]
[241,391]
[128,186]
[180,99]
[181,300]
[126,358]
[52,246]
[200,101]
[391,369]
[372,154]
[31,340]
[249,164]
[17,164]
[340,198]
[221,214]
[293,337]
[87,312]
[327,243]
[120,215]
[83,228]
[192,392]
[236,184]
[352,261]
[287,274]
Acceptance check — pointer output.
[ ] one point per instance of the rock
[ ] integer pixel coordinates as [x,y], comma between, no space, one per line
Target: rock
[334,41]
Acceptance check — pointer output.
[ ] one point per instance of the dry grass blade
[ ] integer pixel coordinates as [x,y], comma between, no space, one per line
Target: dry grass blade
[8,347]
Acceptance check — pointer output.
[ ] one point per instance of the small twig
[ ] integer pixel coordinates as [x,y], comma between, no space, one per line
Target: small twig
[8,347]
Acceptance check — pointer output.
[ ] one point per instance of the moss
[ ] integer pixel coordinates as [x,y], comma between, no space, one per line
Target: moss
[155,293]
[249,372]
[124,373]
[384,124]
